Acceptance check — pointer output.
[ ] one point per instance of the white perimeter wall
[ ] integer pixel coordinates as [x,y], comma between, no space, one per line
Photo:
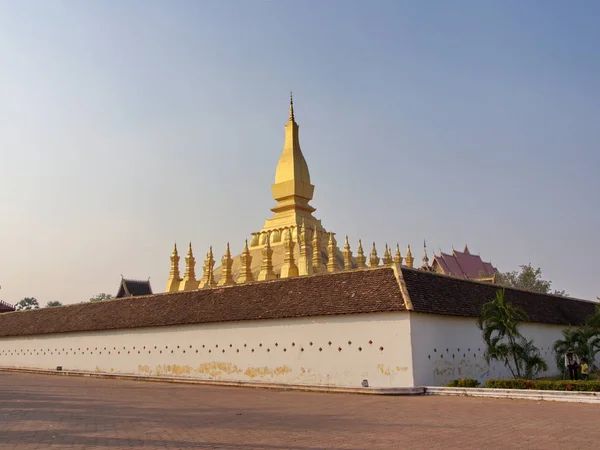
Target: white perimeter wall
[375,347]
[446,348]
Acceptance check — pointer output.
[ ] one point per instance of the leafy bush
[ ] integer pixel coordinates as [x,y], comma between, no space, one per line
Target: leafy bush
[545,385]
[464,383]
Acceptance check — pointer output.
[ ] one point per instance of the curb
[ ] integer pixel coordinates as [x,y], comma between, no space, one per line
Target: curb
[521,394]
[259,385]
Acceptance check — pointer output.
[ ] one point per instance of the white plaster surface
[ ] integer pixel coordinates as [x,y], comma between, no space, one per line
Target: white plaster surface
[264,351]
[445,348]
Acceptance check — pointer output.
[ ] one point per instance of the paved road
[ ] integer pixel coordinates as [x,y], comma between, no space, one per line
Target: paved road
[47,412]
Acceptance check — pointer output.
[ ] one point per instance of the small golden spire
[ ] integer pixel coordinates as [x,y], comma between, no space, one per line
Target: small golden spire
[289,268]
[304,262]
[189,277]
[246,269]
[347,255]
[208,278]
[266,269]
[373,258]
[291,119]
[398,256]
[361,259]
[409,258]
[331,262]
[226,263]
[387,256]
[174,276]
[318,264]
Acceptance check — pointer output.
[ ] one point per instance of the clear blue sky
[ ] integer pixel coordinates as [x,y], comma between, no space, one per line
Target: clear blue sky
[127,125]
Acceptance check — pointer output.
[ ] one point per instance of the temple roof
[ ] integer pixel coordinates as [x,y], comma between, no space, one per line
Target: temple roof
[6,307]
[463,265]
[133,288]
[351,292]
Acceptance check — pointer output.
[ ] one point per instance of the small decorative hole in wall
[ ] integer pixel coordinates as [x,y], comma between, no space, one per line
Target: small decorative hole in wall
[209,351]
[442,356]
[244,345]
[301,349]
[360,349]
[349,342]
[190,346]
[119,352]
[149,352]
[223,350]
[184,351]
[171,351]
[285,349]
[260,345]
[468,349]
[293,344]
[474,355]
[178,346]
[381,348]
[202,345]
[160,351]
[230,345]
[464,356]
[478,349]
[458,349]
[155,347]
[428,356]
[252,350]
[216,345]
[446,350]
[339,349]
[128,352]
[434,350]
[196,351]
[329,342]
[370,342]
[320,349]
[310,343]
[452,355]
[276,344]
[238,350]
[268,349]
[134,348]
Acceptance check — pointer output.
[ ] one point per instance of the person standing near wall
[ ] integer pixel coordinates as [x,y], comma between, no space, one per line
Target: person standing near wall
[585,370]
[572,364]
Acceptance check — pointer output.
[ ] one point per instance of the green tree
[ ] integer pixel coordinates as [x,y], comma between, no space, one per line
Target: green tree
[529,279]
[53,303]
[499,322]
[100,297]
[583,341]
[27,303]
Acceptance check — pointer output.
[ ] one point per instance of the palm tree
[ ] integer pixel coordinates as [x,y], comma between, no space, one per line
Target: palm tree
[499,322]
[533,363]
[583,341]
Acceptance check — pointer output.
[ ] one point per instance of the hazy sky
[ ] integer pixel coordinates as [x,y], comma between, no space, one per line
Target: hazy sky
[128,125]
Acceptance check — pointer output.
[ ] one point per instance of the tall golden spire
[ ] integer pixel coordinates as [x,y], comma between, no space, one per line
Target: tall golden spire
[289,268]
[292,189]
[246,269]
[398,255]
[361,259]
[226,263]
[331,262]
[208,278]
[387,256]
[347,255]
[174,277]
[305,266]
[266,269]
[189,277]
[409,257]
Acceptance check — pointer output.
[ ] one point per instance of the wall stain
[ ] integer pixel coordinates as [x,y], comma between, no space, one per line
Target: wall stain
[216,369]
[254,372]
[145,369]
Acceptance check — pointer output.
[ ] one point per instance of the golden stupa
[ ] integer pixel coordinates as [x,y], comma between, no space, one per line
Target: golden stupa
[284,246]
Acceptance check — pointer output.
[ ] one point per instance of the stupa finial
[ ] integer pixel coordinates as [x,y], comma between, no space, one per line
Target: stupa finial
[226,274]
[331,247]
[409,257]
[425,258]
[347,255]
[398,255]
[361,259]
[373,258]
[266,269]
[292,119]
[387,256]
[174,276]
[289,268]
[246,269]
[208,278]
[189,277]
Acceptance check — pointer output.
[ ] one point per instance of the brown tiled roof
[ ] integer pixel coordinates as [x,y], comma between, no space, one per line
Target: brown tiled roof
[441,294]
[354,292]
[463,265]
